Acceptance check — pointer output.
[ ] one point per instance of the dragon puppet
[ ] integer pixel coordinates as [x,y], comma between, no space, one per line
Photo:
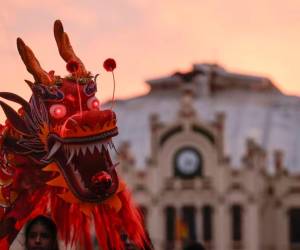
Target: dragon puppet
[55,159]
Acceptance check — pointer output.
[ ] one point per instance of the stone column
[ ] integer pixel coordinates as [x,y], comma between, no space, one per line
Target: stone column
[221,227]
[282,232]
[250,227]
[156,225]
[199,224]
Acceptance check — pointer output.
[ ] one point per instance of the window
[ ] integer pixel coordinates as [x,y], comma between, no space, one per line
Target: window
[170,224]
[188,215]
[294,217]
[207,220]
[236,222]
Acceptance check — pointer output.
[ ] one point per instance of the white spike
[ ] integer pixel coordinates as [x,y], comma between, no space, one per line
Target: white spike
[99,147]
[66,150]
[83,149]
[91,148]
[76,172]
[77,149]
[53,150]
[72,152]
[79,178]
[73,166]
[112,167]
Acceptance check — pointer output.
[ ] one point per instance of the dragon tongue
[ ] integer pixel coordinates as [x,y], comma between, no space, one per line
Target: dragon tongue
[101,181]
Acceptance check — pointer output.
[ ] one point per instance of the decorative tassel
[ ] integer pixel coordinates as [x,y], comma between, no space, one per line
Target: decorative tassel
[109,65]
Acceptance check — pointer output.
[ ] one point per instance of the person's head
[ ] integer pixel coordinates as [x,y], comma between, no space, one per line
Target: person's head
[194,246]
[41,234]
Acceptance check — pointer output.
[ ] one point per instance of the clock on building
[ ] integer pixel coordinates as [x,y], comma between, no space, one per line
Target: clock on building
[188,162]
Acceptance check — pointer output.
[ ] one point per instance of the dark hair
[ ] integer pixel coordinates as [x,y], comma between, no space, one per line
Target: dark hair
[48,223]
[195,246]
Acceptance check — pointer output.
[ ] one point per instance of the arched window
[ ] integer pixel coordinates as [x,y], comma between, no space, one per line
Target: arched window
[236,223]
[207,220]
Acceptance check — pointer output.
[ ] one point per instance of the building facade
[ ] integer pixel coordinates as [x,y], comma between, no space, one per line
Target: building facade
[212,156]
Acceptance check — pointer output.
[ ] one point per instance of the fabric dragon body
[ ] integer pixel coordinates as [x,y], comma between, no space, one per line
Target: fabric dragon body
[55,160]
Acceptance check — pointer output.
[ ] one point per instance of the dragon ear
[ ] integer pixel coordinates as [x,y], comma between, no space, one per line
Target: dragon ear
[16,121]
[32,86]
[32,64]
[17,99]
[65,48]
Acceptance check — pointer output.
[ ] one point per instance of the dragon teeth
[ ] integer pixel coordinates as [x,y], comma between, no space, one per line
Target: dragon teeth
[98,147]
[79,178]
[54,149]
[112,167]
[83,149]
[67,149]
[72,152]
[91,148]
[75,170]
[77,150]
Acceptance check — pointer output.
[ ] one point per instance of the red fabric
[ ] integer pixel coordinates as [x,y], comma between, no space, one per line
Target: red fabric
[132,221]
[86,241]
[74,226]
[4,245]
[101,233]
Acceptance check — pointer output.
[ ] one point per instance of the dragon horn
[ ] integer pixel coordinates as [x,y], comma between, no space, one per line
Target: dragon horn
[18,99]
[32,64]
[65,48]
[16,121]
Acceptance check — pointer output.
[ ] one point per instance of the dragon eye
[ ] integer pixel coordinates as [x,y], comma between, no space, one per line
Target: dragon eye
[58,111]
[93,103]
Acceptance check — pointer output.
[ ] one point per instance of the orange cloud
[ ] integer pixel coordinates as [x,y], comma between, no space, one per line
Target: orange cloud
[150,39]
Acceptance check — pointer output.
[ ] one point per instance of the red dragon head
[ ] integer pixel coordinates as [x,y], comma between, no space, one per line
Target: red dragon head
[54,156]
[63,123]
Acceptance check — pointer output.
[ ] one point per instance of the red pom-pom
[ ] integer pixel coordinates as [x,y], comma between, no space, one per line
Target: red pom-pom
[72,66]
[109,64]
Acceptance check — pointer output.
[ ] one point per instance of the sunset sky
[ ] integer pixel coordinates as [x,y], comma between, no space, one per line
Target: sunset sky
[150,39]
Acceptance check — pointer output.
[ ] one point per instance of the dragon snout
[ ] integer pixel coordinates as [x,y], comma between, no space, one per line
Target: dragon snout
[88,123]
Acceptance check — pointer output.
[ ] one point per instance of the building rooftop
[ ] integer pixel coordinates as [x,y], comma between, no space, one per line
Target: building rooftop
[254,108]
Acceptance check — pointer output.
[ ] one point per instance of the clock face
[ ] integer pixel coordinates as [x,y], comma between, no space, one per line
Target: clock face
[188,162]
